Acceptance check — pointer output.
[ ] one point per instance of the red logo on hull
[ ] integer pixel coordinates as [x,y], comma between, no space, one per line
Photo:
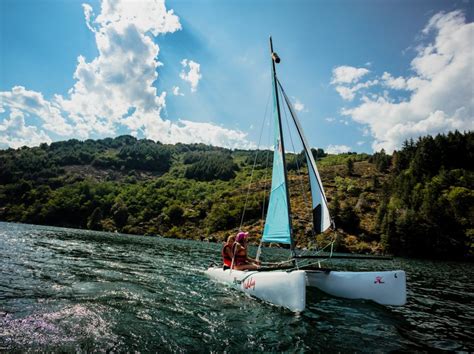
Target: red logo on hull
[378,280]
[249,283]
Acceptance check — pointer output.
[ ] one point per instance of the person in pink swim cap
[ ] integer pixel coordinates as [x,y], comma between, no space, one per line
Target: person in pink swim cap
[241,236]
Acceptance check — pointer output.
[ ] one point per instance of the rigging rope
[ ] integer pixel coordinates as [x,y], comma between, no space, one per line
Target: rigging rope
[254,164]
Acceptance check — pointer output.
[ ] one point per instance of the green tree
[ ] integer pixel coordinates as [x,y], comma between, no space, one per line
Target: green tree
[175,214]
[94,221]
[350,167]
[381,160]
[349,220]
[119,213]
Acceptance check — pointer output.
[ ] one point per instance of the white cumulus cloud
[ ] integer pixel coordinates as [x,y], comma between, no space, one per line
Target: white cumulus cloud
[15,133]
[176,91]
[115,89]
[337,149]
[441,91]
[186,131]
[298,105]
[348,92]
[121,78]
[146,16]
[193,75]
[347,74]
[32,103]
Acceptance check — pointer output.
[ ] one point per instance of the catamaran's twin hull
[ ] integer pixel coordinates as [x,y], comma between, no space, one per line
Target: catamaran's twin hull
[281,288]
[386,288]
[288,289]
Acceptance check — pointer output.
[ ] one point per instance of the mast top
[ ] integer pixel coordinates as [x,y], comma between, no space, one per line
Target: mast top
[275,57]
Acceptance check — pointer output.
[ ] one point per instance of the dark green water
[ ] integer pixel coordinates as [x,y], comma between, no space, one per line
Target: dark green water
[74,290]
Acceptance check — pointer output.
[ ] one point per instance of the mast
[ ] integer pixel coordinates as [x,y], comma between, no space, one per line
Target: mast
[276,59]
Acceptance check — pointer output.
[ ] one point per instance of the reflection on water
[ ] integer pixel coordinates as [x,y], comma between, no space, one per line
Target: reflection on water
[68,290]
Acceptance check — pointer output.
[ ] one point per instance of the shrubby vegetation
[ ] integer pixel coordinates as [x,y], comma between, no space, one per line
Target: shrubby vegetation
[208,166]
[416,202]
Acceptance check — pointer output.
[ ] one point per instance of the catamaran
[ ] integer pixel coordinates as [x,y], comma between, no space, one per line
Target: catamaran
[285,285]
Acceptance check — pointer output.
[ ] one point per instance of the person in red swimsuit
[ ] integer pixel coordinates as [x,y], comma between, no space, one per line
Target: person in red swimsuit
[241,260]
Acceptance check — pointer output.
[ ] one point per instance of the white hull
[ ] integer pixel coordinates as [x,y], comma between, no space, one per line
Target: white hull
[386,288]
[281,288]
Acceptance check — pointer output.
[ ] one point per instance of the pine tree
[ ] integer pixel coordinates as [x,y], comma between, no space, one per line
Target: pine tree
[350,167]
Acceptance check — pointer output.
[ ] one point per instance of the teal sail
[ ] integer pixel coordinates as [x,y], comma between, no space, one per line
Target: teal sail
[277,224]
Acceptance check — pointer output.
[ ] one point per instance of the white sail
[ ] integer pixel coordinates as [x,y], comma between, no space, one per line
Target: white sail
[321,217]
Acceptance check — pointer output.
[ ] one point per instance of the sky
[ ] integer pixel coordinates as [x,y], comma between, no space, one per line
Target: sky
[362,74]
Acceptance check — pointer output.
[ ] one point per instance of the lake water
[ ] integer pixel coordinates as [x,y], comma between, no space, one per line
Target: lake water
[75,290]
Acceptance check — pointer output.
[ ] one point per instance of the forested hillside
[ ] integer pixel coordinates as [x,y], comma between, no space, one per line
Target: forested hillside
[428,210]
[417,202]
